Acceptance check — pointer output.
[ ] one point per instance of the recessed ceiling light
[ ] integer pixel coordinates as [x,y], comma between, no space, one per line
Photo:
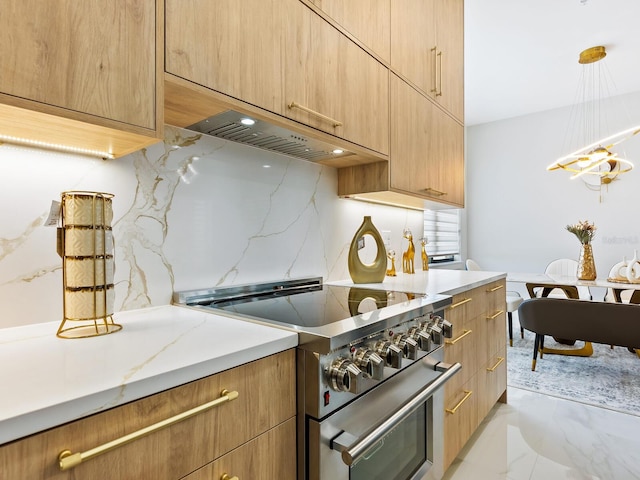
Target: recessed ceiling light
[337,151]
[247,121]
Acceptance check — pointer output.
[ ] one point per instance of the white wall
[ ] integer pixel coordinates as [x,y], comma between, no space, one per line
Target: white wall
[192,212]
[517,210]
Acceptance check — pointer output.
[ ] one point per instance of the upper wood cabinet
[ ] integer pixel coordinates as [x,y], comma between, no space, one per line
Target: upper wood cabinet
[426,156]
[275,53]
[366,20]
[82,74]
[342,90]
[427,48]
[233,47]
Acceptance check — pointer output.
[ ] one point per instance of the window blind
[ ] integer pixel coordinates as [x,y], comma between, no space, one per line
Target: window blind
[442,231]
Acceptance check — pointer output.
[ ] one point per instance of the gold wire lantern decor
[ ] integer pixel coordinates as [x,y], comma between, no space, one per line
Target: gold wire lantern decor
[595,162]
[85,243]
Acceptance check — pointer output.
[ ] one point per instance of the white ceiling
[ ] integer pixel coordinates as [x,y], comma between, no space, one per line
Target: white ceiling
[521,56]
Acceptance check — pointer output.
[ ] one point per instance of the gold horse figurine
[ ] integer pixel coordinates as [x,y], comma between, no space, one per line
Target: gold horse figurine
[391,255]
[407,257]
[425,257]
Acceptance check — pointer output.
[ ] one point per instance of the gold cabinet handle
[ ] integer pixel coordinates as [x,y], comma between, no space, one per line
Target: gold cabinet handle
[333,122]
[454,341]
[434,193]
[495,289]
[492,369]
[439,70]
[67,460]
[467,394]
[434,50]
[461,302]
[225,476]
[495,315]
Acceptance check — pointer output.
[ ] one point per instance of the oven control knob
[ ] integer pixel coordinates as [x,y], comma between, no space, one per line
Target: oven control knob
[436,334]
[369,362]
[421,336]
[343,375]
[447,328]
[391,354]
[408,345]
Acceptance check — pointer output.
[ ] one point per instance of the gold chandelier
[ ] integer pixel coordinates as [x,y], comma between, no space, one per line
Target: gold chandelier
[595,160]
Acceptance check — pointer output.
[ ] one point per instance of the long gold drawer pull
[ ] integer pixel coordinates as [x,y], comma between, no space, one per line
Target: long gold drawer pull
[433,192]
[455,340]
[461,302]
[225,476]
[495,315]
[68,460]
[495,289]
[464,399]
[333,122]
[492,369]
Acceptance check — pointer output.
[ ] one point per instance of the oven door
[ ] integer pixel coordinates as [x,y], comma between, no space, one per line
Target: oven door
[393,432]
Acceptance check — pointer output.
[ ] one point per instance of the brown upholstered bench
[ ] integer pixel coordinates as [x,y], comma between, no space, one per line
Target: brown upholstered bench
[598,322]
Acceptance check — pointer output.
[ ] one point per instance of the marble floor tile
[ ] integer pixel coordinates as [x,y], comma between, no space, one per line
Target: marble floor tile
[539,437]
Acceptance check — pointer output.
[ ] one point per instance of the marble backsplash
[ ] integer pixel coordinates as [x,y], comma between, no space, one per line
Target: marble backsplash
[190,212]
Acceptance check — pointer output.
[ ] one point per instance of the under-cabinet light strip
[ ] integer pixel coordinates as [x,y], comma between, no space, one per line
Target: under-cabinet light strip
[55,146]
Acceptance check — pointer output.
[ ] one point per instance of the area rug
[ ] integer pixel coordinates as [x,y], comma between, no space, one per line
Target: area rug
[610,378]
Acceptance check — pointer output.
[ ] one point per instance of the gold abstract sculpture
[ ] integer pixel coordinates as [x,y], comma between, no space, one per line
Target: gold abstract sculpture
[359,271]
[407,257]
[391,255]
[423,253]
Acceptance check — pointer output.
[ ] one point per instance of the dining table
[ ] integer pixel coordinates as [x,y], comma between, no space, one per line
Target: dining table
[543,284]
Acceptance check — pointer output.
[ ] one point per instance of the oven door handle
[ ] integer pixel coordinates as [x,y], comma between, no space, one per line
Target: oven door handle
[353,448]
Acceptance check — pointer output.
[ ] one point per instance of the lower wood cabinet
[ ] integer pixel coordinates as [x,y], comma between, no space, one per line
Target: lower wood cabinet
[255,431]
[479,344]
[270,456]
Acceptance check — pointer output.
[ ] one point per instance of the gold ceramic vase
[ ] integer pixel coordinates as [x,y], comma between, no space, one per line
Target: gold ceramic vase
[367,273]
[586,263]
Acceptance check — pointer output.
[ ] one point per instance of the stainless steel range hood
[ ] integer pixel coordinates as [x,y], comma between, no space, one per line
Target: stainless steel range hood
[233,126]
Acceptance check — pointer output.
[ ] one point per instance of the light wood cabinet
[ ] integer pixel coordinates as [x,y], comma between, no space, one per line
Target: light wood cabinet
[367,20]
[235,48]
[267,457]
[271,54]
[347,89]
[265,406]
[82,74]
[426,155]
[479,344]
[427,49]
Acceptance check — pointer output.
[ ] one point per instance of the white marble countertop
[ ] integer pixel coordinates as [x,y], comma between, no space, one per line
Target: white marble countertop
[447,282]
[47,381]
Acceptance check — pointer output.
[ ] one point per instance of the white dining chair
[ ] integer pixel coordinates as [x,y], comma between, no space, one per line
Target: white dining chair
[514,299]
[566,267]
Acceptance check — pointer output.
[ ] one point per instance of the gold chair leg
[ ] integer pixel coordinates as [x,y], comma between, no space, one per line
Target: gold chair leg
[533,365]
[585,351]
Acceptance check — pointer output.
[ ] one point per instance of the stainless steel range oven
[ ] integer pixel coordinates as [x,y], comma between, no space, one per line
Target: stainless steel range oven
[369,373]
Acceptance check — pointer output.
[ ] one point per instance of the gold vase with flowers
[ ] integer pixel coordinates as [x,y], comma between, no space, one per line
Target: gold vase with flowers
[585,231]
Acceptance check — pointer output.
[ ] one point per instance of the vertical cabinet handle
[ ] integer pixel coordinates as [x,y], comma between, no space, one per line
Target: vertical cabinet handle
[439,91]
[434,78]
